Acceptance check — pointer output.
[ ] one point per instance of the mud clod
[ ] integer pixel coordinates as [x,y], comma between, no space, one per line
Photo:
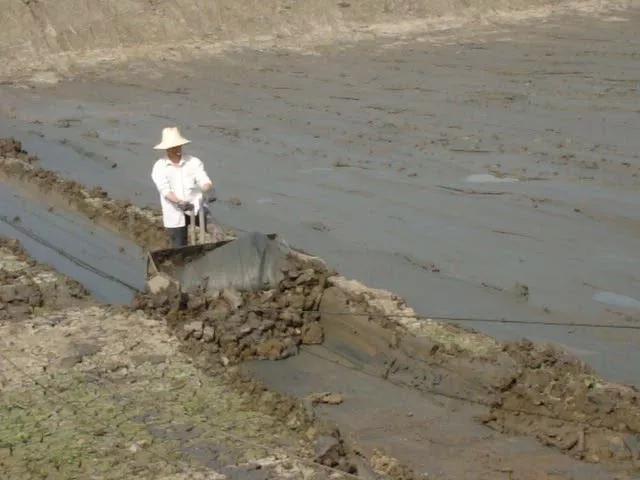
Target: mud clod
[243,325]
[328,398]
[27,287]
[312,334]
[10,147]
[389,466]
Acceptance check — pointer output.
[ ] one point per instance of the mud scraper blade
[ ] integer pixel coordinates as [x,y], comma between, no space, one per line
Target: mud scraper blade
[253,261]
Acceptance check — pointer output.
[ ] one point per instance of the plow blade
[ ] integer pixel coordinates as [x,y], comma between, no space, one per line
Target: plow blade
[250,262]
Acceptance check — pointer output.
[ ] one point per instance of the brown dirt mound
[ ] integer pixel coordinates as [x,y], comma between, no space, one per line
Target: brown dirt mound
[529,389]
[10,147]
[142,225]
[36,35]
[237,326]
[559,400]
[27,287]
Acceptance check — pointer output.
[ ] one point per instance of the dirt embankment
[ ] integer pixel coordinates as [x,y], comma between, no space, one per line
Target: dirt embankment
[236,326]
[142,225]
[41,34]
[529,389]
[27,288]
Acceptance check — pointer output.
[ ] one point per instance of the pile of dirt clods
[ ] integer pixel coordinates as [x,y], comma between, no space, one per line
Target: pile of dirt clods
[26,286]
[10,147]
[266,324]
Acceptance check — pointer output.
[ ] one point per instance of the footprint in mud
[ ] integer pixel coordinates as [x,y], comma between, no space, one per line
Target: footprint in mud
[318,226]
[234,202]
[66,122]
[520,291]
[91,134]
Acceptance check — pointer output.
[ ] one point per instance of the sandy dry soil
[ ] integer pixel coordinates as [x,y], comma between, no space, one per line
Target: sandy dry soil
[452,168]
[39,36]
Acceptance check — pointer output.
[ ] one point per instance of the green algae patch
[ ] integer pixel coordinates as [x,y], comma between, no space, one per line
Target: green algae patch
[145,422]
[132,406]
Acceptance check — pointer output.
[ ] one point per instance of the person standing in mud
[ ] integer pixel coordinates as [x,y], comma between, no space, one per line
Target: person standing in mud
[183,185]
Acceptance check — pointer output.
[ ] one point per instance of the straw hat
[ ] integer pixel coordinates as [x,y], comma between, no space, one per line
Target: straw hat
[171,137]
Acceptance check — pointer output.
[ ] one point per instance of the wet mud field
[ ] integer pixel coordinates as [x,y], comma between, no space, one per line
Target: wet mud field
[451,169]
[527,410]
[485,173]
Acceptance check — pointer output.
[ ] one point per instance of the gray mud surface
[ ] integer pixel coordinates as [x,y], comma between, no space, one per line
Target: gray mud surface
[388,158]
[438,437]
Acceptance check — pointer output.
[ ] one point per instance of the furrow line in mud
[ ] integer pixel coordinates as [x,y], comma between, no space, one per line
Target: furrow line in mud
[531,389]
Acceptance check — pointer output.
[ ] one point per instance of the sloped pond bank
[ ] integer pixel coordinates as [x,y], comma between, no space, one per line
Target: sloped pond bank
[142,225]
[523,388]
[28,287]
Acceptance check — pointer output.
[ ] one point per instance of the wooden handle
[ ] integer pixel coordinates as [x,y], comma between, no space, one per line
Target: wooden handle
[202,229]
[192,226]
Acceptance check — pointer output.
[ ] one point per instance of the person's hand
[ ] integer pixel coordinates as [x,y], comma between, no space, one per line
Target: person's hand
[185,206]
[210,195]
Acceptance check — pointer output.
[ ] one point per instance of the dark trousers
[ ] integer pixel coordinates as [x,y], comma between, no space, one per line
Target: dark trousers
[179,236]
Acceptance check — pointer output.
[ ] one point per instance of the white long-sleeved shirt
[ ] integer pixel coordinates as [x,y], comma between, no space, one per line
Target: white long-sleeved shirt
[185,179]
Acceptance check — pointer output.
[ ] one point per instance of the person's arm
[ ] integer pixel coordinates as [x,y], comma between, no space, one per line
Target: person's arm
[172,197]
[204,182]
[163,185]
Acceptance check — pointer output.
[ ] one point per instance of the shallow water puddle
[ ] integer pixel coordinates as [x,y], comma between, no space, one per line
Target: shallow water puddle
[617,300]
[316,170]
[488,178]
